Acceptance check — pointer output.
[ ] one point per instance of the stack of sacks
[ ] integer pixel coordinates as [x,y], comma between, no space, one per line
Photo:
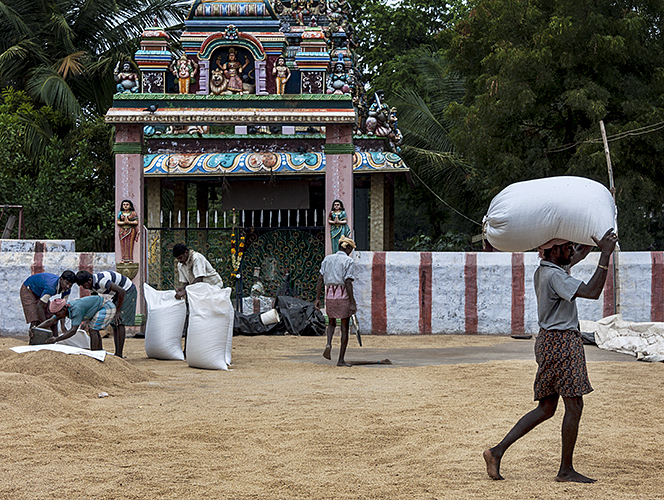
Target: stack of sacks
[210,329]
[165,324]
[526,215]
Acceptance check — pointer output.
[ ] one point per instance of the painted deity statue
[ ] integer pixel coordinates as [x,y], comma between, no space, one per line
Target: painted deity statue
[233,69]
[126,79]
[338,82]
[128,226]
[184,69]
[281,74]
[338,224]
[378,121]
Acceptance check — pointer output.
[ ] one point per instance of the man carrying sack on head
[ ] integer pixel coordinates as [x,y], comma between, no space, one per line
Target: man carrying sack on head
[337,273]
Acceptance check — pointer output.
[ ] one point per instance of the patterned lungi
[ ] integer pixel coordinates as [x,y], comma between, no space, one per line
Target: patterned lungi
[104,316]
[337,303]
[561,363]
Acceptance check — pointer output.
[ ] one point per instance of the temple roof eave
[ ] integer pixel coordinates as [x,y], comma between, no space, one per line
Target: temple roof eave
[263,163]
[183,116]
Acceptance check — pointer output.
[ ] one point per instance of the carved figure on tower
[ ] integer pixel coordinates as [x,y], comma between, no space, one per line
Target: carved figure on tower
[339,81]
[232,70]
[126,79]
[184,69]
[378,120]
[281,74]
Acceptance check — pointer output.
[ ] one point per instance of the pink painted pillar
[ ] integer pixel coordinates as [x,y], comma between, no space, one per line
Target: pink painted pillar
[339,152]
[129,186]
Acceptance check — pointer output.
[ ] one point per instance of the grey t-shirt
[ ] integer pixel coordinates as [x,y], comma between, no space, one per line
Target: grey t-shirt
[556,304]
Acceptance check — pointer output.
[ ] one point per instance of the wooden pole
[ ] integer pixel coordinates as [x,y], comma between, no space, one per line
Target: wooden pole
[616,253]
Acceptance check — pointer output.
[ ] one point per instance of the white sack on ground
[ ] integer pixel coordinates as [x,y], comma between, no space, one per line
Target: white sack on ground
[527,214]
[165,324]
[80,339]
[210,329]
[643,340]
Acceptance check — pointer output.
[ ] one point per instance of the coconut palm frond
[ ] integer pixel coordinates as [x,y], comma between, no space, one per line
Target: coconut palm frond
[71,64]
[38,135]
[48,86]
[13,20]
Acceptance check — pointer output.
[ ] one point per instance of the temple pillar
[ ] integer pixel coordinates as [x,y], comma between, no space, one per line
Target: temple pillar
[339,152]
[381,229]
[153,188]
[128,151]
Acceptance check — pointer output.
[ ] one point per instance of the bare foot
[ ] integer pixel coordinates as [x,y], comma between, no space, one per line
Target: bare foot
[327,351]
[492,465]
[572,476]
[343,363]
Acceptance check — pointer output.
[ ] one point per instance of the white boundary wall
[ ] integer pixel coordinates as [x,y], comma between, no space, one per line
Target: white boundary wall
[406,292]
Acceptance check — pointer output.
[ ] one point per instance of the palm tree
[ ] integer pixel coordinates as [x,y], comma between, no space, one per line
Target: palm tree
[62,52]
[443,174]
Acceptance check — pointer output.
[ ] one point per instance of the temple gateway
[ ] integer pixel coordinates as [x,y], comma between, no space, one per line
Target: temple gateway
[240,144]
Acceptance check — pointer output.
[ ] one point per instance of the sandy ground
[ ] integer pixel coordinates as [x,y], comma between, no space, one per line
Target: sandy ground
[287,424]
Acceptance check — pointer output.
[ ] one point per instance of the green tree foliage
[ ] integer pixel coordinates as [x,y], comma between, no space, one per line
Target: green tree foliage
[62,52]
[68,192]
[540,75]
[388,35]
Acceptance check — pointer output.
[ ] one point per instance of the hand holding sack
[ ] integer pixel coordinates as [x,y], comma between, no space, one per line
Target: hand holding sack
[528,214]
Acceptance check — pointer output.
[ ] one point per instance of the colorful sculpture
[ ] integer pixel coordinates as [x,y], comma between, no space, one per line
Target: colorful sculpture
[184,69]
[338,224]
[128,227]
[232,72]
[127,80]
[281,74]
[378,121]
[339,81]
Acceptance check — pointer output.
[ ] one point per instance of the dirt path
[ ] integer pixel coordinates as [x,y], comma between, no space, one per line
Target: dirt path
[281,426]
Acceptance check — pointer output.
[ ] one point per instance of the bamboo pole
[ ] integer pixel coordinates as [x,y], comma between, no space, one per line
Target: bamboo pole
[616,253]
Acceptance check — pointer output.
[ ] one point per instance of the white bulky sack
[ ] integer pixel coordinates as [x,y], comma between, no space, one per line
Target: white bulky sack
[210,329]
[165,324]
[527,214]
[80,339]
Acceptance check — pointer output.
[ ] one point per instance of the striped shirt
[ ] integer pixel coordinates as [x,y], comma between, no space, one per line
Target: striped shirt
[102,281]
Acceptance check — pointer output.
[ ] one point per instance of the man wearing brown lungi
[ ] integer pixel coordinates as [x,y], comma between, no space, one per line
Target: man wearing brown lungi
[36,292]
[558,351]
[336,272]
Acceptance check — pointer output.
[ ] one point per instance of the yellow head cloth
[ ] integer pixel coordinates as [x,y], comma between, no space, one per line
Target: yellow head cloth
[344,242]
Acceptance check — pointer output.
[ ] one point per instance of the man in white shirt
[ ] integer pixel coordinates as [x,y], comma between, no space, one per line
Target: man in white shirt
[337,273]
[193,267]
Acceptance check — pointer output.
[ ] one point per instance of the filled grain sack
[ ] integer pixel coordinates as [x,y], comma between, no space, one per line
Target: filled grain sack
[527,214]
[80,339]
[210,329]
[165,324]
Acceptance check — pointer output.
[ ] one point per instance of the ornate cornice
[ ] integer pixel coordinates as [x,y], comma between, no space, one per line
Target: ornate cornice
[262,163]
[231,116]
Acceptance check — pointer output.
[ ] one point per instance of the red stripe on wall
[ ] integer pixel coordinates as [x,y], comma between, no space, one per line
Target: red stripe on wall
[378,298]
[657,287]
[470,275]
[518,293]
[37,263]
[609,298]
[425,292]
[85,263]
